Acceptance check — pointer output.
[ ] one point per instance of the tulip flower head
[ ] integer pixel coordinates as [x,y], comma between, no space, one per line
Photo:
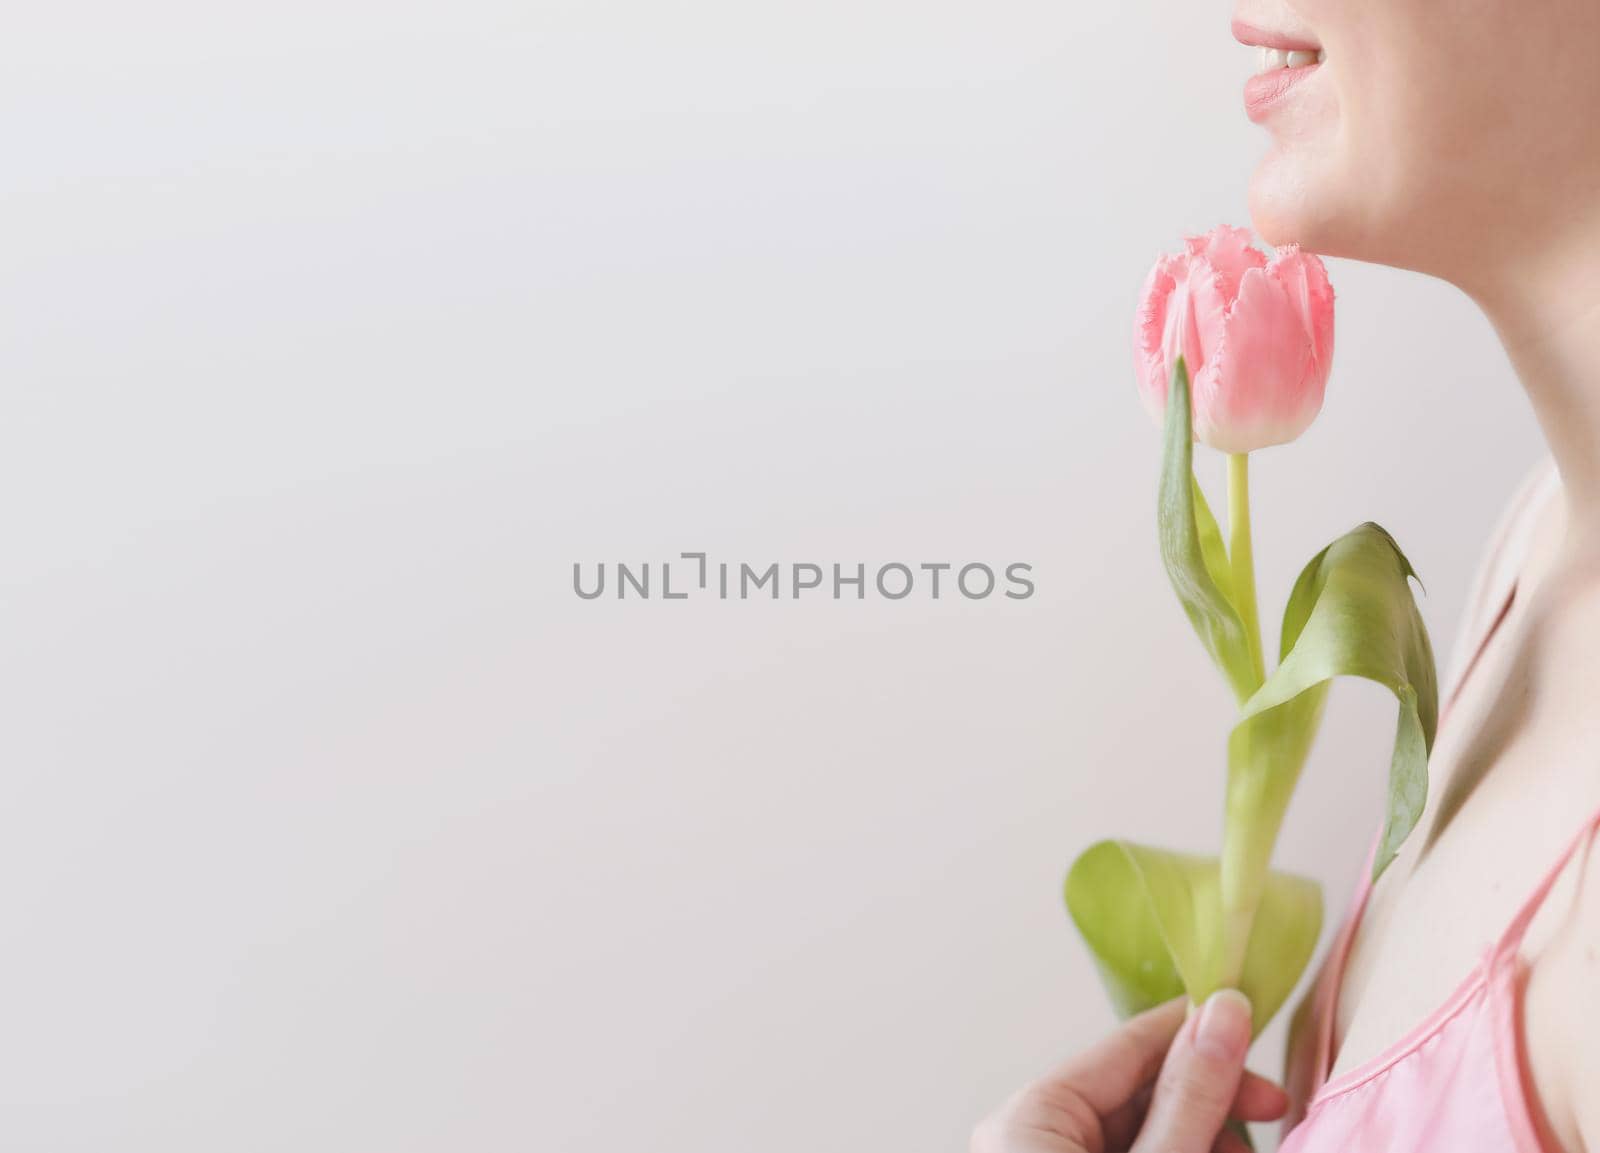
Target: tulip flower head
[1256,334]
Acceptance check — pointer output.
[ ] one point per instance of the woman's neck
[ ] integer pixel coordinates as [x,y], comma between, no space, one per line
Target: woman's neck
[1550,326]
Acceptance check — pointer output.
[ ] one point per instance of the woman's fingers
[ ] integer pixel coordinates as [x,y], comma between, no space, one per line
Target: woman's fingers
[1109,1074]
[1230,1142]
[1163,1082]
[1200,1078]
[1258,1099]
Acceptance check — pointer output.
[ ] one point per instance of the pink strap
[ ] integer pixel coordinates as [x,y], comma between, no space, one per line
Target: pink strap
[1332,976]
[1511,939]
[1506,600]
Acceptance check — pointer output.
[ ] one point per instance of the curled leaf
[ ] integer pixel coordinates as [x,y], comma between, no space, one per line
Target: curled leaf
[1351,613]
[1152,920]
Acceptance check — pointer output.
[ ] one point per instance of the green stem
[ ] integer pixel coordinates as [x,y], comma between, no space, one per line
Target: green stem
[1244,859]
[1242,561]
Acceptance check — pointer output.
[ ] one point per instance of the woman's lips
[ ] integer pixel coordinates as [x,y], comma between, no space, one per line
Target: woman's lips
[1254,37]
[1263,91]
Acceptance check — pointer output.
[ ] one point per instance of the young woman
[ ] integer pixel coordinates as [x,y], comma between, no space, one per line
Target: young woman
[1459,1009]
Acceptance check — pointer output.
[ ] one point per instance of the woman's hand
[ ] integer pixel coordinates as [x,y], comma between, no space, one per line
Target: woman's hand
[1160,1084]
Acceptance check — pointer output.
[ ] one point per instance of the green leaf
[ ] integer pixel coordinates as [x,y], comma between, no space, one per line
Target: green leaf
[1191,545]
[1351,613]
[1153,922]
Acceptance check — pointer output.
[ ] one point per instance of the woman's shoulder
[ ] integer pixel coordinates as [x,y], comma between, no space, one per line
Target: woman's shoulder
[1501,559]
[1508,540]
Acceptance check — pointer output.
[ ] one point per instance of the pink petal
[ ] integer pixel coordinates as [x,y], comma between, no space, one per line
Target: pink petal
[1150,332]
[1305,279]
[1230,251]
[1211,298]
[1263,386]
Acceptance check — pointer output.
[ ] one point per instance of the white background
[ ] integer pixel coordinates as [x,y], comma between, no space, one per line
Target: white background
[333,334]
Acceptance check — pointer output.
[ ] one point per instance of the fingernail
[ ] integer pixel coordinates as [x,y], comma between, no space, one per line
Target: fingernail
[1224,1029]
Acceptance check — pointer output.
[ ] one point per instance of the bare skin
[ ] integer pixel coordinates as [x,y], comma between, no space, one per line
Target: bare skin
[1461,140]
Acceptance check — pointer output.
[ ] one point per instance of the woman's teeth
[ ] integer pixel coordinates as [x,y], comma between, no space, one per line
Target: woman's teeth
[1275,58]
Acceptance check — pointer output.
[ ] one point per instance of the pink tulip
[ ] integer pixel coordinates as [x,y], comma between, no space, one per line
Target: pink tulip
[1255,333]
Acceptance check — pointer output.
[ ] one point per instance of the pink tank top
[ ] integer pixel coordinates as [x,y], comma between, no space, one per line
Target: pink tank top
[1457,1083]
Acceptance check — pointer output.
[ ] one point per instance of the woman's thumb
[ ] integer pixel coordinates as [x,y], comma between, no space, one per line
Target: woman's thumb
[1199,1078]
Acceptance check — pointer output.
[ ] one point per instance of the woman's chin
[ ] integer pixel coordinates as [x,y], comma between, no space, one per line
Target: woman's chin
[1290,205]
